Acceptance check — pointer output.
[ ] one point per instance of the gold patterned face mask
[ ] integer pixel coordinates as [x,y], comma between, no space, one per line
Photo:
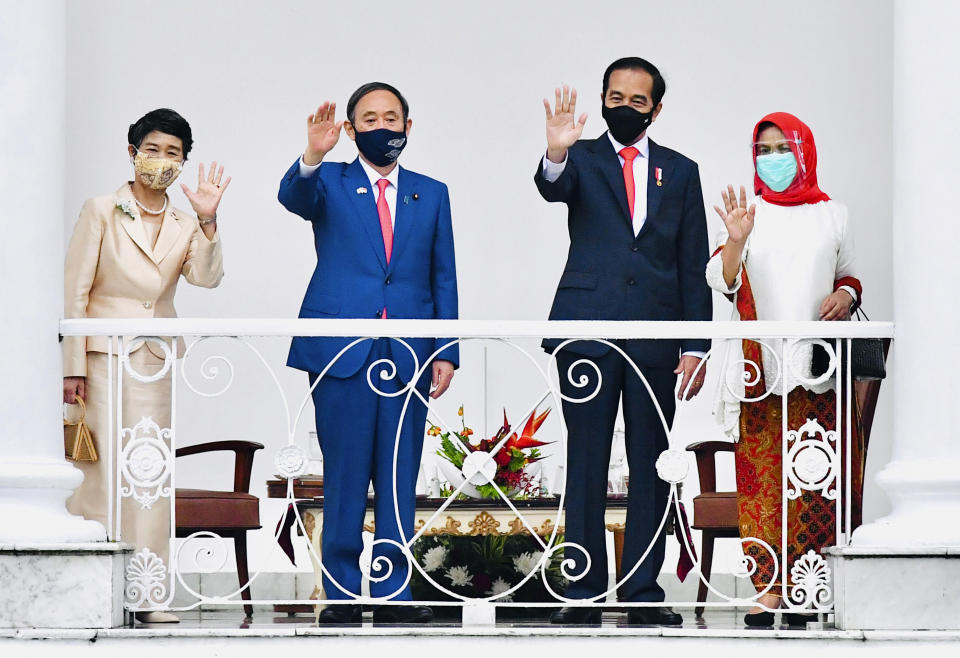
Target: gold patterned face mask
[158,173]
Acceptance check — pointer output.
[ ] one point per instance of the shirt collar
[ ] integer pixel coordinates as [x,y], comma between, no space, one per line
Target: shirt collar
[643,145]
[374,175]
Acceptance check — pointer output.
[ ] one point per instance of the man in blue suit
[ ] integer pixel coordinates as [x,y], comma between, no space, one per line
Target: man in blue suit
[384,244]
[638,248]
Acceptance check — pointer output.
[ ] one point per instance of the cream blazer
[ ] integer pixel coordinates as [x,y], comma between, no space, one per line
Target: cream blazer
[112,272]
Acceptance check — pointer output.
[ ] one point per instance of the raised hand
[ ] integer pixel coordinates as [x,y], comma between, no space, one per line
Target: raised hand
[562,130]
[737,217]
[322,133]
[206,199]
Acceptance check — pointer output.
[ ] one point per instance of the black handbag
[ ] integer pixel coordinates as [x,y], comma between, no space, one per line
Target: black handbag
[867,358]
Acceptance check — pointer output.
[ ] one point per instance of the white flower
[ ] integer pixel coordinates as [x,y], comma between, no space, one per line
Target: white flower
[433,558]
[499,587]
[527,562]
[459,576]
[127,208]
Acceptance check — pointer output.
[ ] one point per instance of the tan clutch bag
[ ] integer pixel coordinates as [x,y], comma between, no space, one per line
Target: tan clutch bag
[78,443]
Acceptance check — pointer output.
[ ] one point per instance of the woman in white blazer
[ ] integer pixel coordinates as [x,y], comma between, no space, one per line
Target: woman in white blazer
[125,258]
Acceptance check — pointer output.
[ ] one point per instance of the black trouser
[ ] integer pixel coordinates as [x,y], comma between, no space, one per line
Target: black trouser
[589,436]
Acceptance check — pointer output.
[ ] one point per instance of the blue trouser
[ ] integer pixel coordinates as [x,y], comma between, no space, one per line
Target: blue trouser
[357,430]
[589,435]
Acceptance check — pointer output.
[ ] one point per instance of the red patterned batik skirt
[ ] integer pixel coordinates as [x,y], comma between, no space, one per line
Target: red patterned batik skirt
[812,517]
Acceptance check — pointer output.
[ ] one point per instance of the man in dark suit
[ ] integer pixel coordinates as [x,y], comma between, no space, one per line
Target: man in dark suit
[384,244]
[638,248]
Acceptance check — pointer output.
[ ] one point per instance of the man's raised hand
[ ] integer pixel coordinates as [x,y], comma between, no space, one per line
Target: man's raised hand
[322,133]
[562,130]
[736,216]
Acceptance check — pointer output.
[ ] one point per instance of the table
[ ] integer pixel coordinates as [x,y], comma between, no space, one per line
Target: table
[473,517]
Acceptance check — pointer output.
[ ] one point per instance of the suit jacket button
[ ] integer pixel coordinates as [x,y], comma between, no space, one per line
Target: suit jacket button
[387,281]
[631,282]
[634,248]
[148,305]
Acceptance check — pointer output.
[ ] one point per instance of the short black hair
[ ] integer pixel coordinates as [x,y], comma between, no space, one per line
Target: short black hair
[637,64]
[165,121]
[375,86]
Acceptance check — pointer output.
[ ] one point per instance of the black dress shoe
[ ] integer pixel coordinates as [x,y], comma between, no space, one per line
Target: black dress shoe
[798,619]
[661,616]
[758,619]
[402,614]
[340,615]
[576,616]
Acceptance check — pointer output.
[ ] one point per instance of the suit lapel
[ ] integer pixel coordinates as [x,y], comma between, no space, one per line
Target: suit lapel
[659,159]
[404,214]
[169,232]
[131,222]
[608,163]
[365,203]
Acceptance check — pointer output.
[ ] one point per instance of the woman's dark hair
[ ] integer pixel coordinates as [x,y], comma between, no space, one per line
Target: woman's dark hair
[637,64]
[763,126]
[164,121]
[375,86]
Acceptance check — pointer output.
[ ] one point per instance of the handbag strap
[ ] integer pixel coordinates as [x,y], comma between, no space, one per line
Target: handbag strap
[860,312]
[83,411]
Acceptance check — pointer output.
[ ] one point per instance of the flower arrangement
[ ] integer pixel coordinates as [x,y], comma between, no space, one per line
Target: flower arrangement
[485,566]
[513,454]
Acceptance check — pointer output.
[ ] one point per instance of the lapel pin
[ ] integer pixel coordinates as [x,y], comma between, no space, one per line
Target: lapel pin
[406,200]
[416,196]
[658,174]
[361,190]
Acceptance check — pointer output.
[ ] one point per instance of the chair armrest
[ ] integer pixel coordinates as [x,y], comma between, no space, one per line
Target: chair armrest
[243,461]
[706,452]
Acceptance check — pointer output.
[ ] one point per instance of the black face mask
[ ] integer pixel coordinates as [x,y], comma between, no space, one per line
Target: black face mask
[381,146]
[625,123]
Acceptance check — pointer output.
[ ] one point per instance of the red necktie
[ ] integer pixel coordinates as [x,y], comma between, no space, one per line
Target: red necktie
[385,226]
[629,154]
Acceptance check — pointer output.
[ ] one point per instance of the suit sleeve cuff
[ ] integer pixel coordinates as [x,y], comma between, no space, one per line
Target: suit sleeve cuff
[552,170]
[308,170]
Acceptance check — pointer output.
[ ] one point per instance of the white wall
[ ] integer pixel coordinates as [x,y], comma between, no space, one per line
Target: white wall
[246,74]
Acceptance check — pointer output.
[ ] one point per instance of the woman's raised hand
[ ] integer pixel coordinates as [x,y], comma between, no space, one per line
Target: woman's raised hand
[323,133]
[210,188]
[736,217]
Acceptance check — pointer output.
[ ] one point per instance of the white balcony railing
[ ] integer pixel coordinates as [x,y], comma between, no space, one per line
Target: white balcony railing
[815,457]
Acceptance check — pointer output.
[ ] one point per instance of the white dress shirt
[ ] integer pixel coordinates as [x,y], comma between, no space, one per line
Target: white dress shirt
[373,175]
[641,163]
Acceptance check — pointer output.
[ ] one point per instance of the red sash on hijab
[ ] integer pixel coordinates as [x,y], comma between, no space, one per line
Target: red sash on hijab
[804,188]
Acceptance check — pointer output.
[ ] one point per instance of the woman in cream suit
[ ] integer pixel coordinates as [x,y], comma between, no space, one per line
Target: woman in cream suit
[124,260]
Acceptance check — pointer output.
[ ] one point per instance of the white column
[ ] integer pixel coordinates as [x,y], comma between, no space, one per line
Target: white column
[35,479]
[923,477]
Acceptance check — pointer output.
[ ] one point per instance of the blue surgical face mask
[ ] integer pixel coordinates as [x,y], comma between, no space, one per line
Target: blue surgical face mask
[381,146]
[777,170]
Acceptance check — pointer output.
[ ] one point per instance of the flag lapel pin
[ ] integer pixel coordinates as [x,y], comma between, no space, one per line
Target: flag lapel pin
[361,190]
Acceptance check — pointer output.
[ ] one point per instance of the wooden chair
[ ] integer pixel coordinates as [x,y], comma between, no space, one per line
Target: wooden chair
[715,512]
[226,513]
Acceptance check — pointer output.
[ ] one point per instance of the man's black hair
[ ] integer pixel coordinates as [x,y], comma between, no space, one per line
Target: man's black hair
[637,64]
[164,121]
[375,86]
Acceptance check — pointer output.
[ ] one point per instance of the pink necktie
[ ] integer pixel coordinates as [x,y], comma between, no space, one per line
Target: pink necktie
[384,211]
[385,226]
[629,154]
